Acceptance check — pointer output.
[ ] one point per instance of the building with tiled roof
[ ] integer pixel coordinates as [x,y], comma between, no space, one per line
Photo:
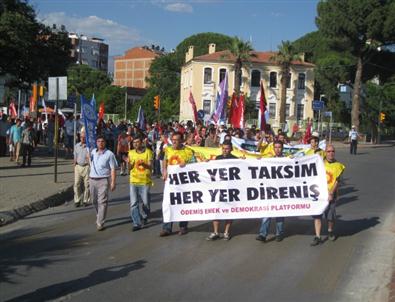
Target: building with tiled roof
[201,75]
[131,69]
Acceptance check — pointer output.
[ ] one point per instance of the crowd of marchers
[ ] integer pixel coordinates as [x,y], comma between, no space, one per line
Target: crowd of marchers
[145,151]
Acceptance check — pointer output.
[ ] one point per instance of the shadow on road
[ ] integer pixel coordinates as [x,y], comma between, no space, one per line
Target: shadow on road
[99,276]
[23,250]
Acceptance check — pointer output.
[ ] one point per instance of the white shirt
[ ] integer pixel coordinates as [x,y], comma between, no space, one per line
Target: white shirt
[353,134]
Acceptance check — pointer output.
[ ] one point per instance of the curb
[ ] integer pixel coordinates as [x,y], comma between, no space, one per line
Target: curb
[9,216]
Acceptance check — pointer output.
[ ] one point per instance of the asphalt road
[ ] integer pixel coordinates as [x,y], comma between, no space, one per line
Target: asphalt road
[57,254]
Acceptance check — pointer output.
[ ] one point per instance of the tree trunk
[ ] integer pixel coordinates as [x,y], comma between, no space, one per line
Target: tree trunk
[237,77]
[283,96]
[356,94]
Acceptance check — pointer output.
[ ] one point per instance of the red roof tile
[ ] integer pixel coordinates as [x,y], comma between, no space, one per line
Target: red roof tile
[260,57]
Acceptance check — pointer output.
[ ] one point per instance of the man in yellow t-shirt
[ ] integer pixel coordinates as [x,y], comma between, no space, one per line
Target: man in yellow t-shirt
[140,164]
[334,170]
[177,154]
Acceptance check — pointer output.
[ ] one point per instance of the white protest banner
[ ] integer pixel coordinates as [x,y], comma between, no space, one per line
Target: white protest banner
[249,188]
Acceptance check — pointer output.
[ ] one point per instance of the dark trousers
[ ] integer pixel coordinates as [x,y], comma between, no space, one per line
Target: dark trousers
[3,145]
[353,146]
[27,151]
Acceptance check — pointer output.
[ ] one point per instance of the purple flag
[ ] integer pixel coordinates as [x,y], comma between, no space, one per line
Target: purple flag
[223,98]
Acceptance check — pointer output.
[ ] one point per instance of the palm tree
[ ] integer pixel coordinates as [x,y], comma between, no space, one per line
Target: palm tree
[242,51]
[284,57]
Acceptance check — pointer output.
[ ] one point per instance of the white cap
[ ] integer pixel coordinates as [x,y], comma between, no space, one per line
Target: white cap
[315,133]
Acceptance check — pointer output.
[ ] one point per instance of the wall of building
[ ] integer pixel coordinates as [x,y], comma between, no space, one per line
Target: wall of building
[132,69]
[192,75]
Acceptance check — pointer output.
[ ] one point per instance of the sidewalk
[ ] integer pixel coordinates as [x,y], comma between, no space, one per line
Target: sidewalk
[31,189]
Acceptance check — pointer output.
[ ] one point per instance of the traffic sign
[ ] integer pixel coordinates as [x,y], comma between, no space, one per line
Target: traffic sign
[318,105]
[57,88]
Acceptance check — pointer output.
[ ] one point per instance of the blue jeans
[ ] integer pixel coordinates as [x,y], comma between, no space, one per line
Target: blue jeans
[136,192]
[264,229]
[168,226]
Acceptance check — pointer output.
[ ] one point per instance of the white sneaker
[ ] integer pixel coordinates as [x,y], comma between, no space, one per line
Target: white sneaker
[213,236]
[227,236]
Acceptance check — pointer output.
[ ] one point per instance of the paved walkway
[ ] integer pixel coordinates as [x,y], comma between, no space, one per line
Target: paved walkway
[30,189]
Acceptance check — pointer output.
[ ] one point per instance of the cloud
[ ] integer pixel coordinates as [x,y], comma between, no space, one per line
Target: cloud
[179,7]
[119,37]
[277,14]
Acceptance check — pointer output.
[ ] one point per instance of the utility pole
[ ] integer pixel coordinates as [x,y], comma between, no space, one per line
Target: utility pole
[379,123]
[126,102]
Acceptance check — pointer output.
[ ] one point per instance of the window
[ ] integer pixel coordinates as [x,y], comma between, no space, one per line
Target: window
[301,80]
[273,79]
[208,73]
[207,106]
[272,110]
[255,78]
[222,73]
[299,112]
[287,106]
[289,81]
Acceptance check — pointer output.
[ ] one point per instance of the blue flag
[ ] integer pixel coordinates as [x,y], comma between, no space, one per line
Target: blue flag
[141,119]
[93,102]
[89,116]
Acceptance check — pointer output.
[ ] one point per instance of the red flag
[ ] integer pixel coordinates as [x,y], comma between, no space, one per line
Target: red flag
[308,132]
[238,112]
[233,106]
[241,112]
[101,111]
[262,108]
[193,103]
[12,110]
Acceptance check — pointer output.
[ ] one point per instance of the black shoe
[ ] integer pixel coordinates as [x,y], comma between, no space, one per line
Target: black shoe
[77,204]
[316,241]
[279,238]
[331,236]
[136,228]
[145,221]
[260,238]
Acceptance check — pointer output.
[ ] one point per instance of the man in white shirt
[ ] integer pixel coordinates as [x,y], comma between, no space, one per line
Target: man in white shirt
[353,138]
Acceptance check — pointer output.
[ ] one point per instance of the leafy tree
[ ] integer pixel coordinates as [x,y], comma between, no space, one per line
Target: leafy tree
[361,27]
[242,51]
[379,98]
[164,79]
[113,98]
[29,51]
[85,80]
[200,42]
[284,57]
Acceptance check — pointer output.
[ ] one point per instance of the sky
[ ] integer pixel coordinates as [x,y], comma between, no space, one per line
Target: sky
[124,24]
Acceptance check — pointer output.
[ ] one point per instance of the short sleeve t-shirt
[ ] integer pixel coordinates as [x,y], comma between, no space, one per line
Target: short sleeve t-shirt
[178,157]
[318,151]
[333,172]
[267,150]
[139,175]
